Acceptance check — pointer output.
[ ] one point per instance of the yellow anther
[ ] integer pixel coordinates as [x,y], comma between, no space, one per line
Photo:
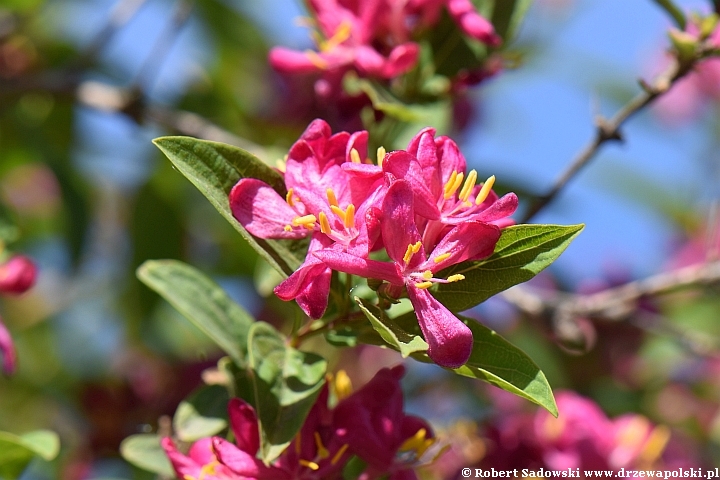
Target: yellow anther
[324,224]
[342,385]
[209,470]
[338,455]
[450,182]
[655,444]
[289,197]
[468,187]
[427,274]
[340,35]
[380,155]
[349,220]
[332,199]
[322,452]
[456,278]
[305,220]
[188,477]
[287,228]
[485,190]
[355,156]
[338,211]
[442,257]
[309,226]
[412,249]
[309,464]
[418,443]
[453,184]
[424,285]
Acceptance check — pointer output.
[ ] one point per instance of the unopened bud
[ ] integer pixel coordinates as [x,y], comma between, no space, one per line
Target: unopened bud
[7,351]
[708,25]
[17,275]
[685,45]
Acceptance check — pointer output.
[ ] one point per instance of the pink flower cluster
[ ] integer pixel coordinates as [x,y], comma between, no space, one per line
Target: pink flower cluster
[418,204]
[581,437]
[372,37]
[369,424]
[17,275]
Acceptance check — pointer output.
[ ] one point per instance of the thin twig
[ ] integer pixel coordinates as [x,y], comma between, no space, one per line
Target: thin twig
[607,130]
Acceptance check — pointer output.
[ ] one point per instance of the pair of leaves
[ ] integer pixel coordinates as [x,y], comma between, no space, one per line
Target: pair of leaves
[16,451]
[285,381]
[214,168]
[493,359]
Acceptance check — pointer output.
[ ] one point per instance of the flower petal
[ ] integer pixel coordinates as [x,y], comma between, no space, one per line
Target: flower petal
[242,463]
[244,424]
[363,267]
[7,349]
[398,225]
[450,341]
[404,166]
[501,208]
[472,23]
[262,211]
[467,241]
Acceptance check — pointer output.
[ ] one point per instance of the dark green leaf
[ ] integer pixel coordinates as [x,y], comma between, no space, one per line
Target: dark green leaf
[214,168]
[202,301]
[16,451]
[520,254]
[496,361]
[508,15]
[144,451]
[286,383]
[202,414]
[402,341]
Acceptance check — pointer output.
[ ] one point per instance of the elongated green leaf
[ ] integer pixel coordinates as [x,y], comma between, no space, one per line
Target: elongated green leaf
[496,361]
[202,414]
[520,254]
[508,16]
[16,451]
[144,451]
[202,302]
[286,383]
[402,341]
[214,168]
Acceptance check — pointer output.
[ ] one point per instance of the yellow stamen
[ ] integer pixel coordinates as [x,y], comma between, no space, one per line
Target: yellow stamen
[451,187]
[450,183]
[468,187]
[485,190]
[309,464]
[349,216]
[309,226]
[424,285]
[338,455]
[380,155]
[338,211]
[209,469]
[355,156]
[287,228]
[189,477]
[427,274]
[655,444]
[342,385]
[341,34]
[456,278]
[442,257]
[412,249]
[289,198]
[304,220]
[324,224]
[332,199]
[417,443]
[322,452]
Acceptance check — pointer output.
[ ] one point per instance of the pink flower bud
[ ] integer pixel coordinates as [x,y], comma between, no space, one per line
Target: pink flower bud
[7,351]
[17,275]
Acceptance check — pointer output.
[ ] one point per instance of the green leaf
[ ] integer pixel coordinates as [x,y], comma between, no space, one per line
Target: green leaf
[202,414]
[402,341]
[508,16]
[286,383]
[144,451]
[520,254]
[16,451]
[496,361]
[202,302]
[214,168]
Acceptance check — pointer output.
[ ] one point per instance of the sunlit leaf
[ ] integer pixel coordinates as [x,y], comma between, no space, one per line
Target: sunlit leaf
[202,414]
[144,451]
[16,451]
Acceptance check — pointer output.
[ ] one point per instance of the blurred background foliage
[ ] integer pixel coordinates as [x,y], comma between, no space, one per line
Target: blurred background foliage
[86,84]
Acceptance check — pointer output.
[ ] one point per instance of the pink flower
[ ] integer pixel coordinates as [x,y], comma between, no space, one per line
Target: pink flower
[462,12]
[200,462]
[373,424]
[449,339]
[321,203]
[7,349]
[17,275]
